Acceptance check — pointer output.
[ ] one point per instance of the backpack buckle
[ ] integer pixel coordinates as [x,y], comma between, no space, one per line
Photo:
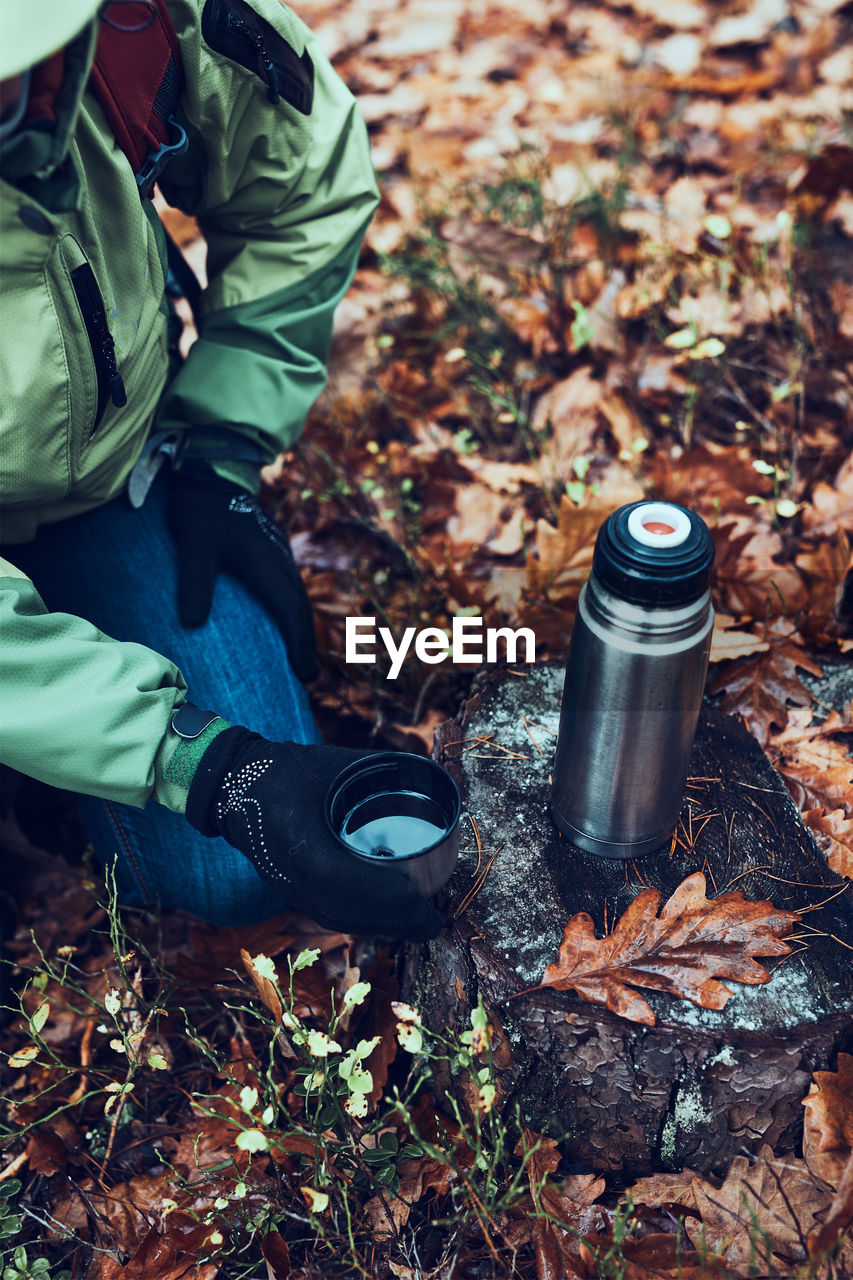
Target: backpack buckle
[158,447]
[157,160]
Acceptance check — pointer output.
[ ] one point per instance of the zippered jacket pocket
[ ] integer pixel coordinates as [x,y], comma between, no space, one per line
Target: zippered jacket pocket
[91,302]
[234,29]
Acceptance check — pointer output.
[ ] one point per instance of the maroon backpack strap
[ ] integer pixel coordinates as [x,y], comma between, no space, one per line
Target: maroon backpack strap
[137,78]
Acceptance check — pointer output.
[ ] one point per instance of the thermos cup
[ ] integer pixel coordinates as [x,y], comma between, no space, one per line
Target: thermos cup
[634,681]
[399,811]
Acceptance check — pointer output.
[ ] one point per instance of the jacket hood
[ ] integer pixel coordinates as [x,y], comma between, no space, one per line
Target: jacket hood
[37,151]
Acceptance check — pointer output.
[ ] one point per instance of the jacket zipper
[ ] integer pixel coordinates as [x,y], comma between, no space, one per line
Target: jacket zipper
[237,24]
[110,384]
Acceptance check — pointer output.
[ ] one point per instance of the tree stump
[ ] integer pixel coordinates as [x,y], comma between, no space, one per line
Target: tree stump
[701,1086]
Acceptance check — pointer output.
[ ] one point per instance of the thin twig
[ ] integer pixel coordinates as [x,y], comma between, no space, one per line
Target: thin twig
[529,734]
[516,755]
[817,905]
[706,817]
[707,864]
[13,1166]
[122,1097]
[477,886]
[534,724]
[801,884]
[419,702]
[479,755]
[748,872]
[476,829]
[85,1061]
[729,828]
[757,806]
[476,737]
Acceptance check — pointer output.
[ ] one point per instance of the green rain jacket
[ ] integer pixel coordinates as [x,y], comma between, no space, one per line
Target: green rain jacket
[283,199]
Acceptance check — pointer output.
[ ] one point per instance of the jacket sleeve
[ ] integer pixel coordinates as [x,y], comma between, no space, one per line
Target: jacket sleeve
[79,710]
[283,197]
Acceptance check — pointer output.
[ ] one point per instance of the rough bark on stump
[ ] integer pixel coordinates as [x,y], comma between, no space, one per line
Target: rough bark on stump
[702,1085]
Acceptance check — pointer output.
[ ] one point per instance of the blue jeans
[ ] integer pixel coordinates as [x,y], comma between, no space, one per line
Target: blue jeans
[117,568]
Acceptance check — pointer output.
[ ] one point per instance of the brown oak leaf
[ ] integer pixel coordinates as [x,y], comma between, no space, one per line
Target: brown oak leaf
[759,1219]
[813,759]
[728,643]
[760,687]
[828,1128]
[833,831]
[564,1211]
[685,951]
[276,1256]
[664,1188]
[417,1178]
[266,988]
[831,505]
[661,1256]
[563,555]
[749,580]
[825,568]
[837,1219]
[46,1153]
[573,1251]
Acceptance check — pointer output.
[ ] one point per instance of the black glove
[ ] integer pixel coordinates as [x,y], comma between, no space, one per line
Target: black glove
[217,525]
[267,799]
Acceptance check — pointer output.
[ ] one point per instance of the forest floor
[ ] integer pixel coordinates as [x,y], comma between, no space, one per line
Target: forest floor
[613,259]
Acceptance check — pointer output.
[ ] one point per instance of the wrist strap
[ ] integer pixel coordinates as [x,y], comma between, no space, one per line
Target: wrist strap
[190,722]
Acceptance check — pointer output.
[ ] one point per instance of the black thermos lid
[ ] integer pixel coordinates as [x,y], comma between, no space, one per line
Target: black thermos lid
[654,553]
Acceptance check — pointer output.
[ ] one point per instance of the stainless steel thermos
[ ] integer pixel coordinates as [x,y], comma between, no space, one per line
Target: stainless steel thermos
[634,681]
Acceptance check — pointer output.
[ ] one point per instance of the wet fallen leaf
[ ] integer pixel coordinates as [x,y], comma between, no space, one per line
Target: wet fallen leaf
[828,1131]
[566,1211]
[417,1179]
[759,687]
[825,569]
[662,1256]
[686,951]
[276,1255]
[812,756]
[625,423]
[46,1153]
[485,518]
[833,831]
[262,972]
[837,1219]
[169,1250]
[761,1215]
[831,505]
[749,581]
[570,409]
[664,1188]
[728,643]
[563,555]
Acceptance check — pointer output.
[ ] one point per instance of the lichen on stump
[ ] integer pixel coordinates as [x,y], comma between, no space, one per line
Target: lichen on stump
[702,1085]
